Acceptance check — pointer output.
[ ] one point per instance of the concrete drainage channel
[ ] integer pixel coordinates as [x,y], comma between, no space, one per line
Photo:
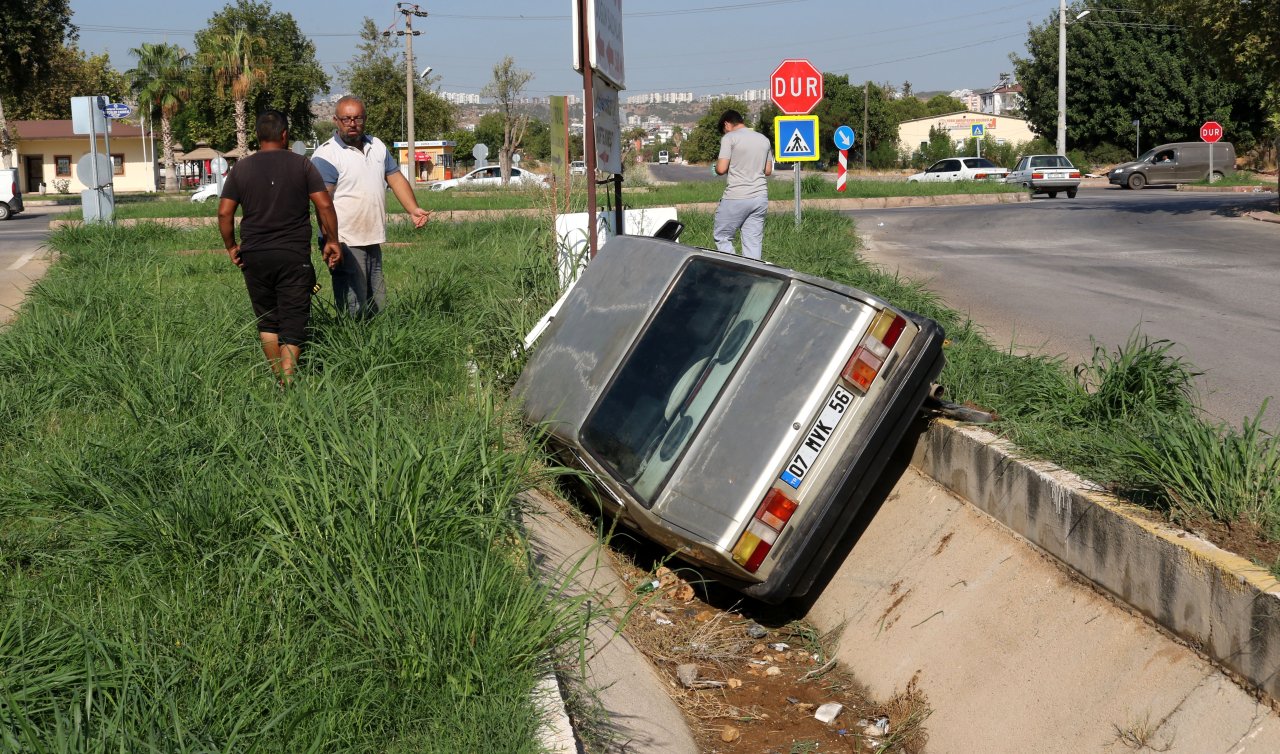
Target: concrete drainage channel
[1034,613]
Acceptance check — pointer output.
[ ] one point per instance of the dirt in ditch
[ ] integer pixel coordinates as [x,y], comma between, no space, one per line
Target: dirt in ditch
[749,680]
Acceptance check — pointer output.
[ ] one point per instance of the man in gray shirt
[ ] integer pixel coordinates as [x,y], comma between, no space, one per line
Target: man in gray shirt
[745,156]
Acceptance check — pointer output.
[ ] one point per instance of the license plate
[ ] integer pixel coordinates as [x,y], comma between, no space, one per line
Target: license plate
[817,438]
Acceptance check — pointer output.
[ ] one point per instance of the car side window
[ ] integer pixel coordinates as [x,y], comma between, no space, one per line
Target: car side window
[949,166]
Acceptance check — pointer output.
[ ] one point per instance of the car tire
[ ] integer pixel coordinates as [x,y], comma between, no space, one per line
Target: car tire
[1137,181]
[5,214]
[1215,177]
[1071,193]
[1053,194]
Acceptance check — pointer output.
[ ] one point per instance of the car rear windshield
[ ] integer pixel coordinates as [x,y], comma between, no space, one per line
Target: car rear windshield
[677,370]
[1051,161]
[979,162]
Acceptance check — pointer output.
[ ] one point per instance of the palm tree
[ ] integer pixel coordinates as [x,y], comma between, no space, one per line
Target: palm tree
[160,81]
[238,63]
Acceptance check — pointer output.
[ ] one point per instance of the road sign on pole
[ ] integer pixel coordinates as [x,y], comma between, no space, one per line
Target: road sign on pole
[1211,131]
[842,174]
[795,86]
[117,110]
[795,138]
[844,137]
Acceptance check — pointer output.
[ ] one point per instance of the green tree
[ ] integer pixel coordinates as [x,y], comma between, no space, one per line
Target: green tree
[31,32]
[506,87]
[1159,80]
[842,104]
[537,140]
[238,64]
[465,140]
[377,76]
[295,79]
[160,83]
[70,74]
[703,144]
[1241,36]
[489,131]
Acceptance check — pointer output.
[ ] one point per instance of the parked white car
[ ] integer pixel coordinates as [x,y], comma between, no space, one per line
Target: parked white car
[961,169]
[207,191]
[490,176]
[577,167]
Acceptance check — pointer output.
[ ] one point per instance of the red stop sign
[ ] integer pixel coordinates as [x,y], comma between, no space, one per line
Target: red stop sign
[1211,131]
[795,86]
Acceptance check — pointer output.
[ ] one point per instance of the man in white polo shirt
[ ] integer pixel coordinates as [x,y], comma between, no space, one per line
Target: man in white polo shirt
[357,168]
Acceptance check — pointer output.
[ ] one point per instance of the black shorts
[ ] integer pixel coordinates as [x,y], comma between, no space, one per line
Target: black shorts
[280,284]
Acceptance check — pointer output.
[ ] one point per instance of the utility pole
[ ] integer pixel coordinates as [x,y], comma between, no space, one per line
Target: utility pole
[1062,77]
[865,84]
[409,11]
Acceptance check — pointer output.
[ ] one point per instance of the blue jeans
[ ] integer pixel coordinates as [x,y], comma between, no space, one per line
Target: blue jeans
[747,214]
[358,285]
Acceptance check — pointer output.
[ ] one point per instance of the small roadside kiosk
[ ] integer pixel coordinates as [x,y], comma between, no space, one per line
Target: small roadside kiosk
[434,159]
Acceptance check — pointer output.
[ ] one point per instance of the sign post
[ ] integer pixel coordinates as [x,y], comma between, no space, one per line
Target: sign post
[977,131]
[1211,132]
[795,86]
[844,138]
[597,49]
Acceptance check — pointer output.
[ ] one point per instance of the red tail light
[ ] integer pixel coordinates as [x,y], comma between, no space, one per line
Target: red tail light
[1075,174]
[869,356]
[1037,176]
[756,542]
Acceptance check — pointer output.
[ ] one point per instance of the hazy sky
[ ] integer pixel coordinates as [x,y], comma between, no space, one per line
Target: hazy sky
[703,46]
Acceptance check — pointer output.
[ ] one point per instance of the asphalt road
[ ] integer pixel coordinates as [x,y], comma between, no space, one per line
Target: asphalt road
[1045,276]
[22,255]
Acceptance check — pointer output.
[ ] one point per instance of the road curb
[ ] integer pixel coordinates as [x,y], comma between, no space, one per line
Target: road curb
[1219,603]
[1259,189]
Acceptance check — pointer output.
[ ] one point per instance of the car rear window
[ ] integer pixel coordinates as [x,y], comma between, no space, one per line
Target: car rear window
[676,371]
[979,162]
[1050,161]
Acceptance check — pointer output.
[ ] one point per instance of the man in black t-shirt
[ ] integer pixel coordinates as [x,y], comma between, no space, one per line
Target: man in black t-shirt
[276,188]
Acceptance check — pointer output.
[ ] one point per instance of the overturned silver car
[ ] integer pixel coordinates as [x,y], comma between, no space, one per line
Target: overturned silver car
[732,411]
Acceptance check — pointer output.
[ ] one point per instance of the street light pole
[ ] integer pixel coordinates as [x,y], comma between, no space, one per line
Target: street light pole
[1062,73]
[1062,77]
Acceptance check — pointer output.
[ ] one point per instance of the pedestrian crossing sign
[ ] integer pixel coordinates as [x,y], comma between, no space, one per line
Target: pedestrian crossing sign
[795,138]
[976,130]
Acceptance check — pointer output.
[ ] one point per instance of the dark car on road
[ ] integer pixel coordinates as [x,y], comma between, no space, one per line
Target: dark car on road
[733,411]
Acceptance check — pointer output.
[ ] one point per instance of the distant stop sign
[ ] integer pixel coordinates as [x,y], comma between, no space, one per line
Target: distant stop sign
[1211,131]
[795,87]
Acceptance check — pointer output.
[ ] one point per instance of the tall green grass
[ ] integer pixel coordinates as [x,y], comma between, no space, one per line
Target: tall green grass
[193,560]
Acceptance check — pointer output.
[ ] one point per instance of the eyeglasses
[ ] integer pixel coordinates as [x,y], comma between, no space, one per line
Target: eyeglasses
[350,119]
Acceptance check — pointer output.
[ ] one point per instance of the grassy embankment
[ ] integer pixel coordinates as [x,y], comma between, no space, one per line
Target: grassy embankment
[814,187]
[193,560]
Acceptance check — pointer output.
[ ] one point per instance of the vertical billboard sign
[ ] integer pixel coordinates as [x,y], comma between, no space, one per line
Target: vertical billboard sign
[604,37]
[607,126]
[560,135]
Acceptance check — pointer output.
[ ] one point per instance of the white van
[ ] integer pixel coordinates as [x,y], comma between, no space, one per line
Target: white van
[663,158]
[10,194]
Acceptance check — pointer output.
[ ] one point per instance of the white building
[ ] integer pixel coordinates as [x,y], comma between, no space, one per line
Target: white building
[971,99]
[1003,129]
[1002,99]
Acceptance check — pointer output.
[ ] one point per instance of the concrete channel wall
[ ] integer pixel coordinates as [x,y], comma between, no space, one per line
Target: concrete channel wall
[1219,603]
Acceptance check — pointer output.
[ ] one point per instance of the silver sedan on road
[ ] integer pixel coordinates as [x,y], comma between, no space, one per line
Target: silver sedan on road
[1046,174]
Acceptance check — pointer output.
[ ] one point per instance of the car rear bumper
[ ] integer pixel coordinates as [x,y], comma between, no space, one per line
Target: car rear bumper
[1057,184]
[859,468]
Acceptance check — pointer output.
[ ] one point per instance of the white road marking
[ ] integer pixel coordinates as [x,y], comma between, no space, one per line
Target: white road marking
[22,260]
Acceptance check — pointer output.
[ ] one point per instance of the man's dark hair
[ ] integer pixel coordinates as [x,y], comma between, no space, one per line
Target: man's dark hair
[271,126]
[730,116]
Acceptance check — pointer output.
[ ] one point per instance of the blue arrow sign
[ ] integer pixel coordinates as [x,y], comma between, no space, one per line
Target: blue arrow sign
[844,137]
[795,138]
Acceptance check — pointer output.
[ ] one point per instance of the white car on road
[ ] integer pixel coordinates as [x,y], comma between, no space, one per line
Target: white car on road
[207,191]
[961,169]
[490,176]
